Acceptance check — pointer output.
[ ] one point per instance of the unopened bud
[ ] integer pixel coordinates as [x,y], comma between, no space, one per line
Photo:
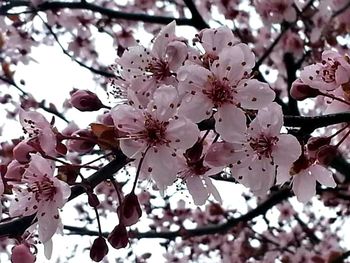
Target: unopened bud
[326,154]
[85,100]
[22,254]
[301,91]
[99,249]
[130,210]
[93,200]
[118,238]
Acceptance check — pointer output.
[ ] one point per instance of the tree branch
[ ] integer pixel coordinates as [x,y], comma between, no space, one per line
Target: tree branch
[261,209]
[55,5]
[17,226]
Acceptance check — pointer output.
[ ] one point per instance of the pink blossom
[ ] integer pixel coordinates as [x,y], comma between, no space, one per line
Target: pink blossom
[42,194]
[305,172]
[158,129]
[85,100]
[145,69]
[224,87]
[265,151]
[39,130]
[195,173]
[213,42]
[332,72]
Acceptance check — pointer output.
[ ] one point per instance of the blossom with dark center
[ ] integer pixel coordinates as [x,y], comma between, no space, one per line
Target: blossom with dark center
[195,173]
[331,73]
[304,174]
[144,70]
[158,131]
[40,193]
[223,90]
[265,151]
[263,145]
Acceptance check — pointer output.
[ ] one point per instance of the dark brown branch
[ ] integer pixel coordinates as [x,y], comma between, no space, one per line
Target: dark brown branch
[307,123]
[197,19]
[291,69]
[55,5]
[261,209]
[17,226]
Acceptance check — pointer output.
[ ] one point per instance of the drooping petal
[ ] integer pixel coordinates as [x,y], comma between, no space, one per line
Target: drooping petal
[196,188]
[48,246]
[212,189]
[304,186]
[48,221]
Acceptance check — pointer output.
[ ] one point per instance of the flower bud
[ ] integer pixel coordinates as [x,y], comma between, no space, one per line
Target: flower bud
[118,238]
[99,249]
[130,210]
[85,100]
[301,91]
[326,154]
[93,200]
[22,254]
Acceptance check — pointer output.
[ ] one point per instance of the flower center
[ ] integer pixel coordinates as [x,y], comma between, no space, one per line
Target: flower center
[263,145]
[43,190]
[155,131]
[159,69]
[329,69]
[219,92]
[31,128]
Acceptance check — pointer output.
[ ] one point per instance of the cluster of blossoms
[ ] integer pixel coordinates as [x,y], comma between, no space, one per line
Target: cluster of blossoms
[165,101]
[186,114]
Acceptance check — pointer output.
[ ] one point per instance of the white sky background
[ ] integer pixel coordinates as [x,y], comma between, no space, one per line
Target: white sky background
[51,78]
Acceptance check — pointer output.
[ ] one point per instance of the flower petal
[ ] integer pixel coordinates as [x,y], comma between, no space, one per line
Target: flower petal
[196,188]
[230,123]
[323,175]
[304,186]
